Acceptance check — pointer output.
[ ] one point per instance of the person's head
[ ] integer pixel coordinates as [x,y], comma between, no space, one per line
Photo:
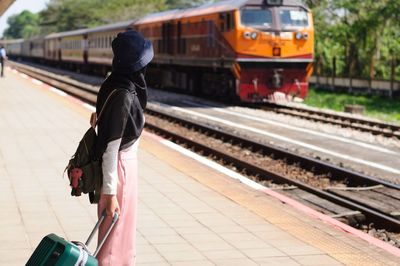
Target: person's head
[132,52]
[1,47]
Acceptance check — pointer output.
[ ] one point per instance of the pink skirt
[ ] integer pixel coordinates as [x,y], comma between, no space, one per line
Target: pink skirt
[119,249]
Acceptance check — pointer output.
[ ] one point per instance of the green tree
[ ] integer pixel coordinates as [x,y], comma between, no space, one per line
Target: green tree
[362,36]
[172,4]
[23,25]
[64,15]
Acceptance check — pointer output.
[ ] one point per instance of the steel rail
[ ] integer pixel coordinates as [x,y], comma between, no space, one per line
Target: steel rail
[375,216]
[310,164]
[79,90]
[364,125]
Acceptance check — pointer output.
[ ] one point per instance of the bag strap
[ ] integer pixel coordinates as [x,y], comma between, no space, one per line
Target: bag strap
[104,105]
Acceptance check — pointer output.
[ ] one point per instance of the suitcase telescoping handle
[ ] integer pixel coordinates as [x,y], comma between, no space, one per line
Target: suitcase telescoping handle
[96,227]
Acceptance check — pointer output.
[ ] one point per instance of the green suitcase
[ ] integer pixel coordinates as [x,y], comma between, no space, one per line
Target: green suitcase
[55,250]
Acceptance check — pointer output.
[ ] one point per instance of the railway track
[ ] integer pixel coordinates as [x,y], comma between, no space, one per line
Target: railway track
[360,124]
[349,196]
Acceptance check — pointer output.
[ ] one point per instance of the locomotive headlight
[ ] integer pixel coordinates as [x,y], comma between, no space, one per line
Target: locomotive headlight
[247,35]
[254,35]
[298,35]
[305,35]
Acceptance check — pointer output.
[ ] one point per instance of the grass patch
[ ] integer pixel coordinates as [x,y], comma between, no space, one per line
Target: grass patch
[378,107]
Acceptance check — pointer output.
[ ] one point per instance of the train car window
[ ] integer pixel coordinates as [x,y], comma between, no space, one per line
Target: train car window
[228,21]
[293,18]
[210,33]
[222,22]
[256,17]
[184,45]
[159,43]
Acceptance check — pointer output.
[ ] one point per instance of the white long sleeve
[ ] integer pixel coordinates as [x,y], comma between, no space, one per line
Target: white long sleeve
[110,167]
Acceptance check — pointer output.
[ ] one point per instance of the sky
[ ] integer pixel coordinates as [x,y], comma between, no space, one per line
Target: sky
[17,7]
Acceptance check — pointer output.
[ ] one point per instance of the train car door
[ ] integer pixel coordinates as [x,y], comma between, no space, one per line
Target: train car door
[85,49]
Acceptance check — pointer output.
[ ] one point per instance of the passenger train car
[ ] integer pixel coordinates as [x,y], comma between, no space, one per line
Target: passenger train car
[236,49]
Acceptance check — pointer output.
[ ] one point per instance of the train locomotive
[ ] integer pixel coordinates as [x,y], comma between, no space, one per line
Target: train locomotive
[244,50]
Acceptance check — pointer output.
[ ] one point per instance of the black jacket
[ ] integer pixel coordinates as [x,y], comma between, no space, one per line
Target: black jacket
[123,115]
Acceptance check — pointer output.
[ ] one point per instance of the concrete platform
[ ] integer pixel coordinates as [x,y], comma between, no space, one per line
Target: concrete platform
[189,214]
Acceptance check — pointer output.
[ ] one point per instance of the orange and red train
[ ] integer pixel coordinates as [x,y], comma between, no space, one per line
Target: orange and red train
[243,50]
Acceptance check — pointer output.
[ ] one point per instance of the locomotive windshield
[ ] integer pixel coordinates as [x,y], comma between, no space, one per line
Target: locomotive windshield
[289,17]
[292,18]
[256,17]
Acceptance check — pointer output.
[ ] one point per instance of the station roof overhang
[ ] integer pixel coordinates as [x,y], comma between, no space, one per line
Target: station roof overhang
[4,5]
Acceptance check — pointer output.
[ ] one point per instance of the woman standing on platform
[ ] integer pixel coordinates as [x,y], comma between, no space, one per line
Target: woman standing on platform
[119,129]
[3,57]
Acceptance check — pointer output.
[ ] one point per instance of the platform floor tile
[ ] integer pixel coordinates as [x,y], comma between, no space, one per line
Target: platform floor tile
[188,214]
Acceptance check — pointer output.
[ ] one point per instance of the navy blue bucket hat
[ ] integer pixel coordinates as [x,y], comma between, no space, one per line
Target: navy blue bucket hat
[132,52]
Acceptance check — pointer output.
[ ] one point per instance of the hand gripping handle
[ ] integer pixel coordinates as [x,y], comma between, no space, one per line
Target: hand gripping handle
[96,227]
